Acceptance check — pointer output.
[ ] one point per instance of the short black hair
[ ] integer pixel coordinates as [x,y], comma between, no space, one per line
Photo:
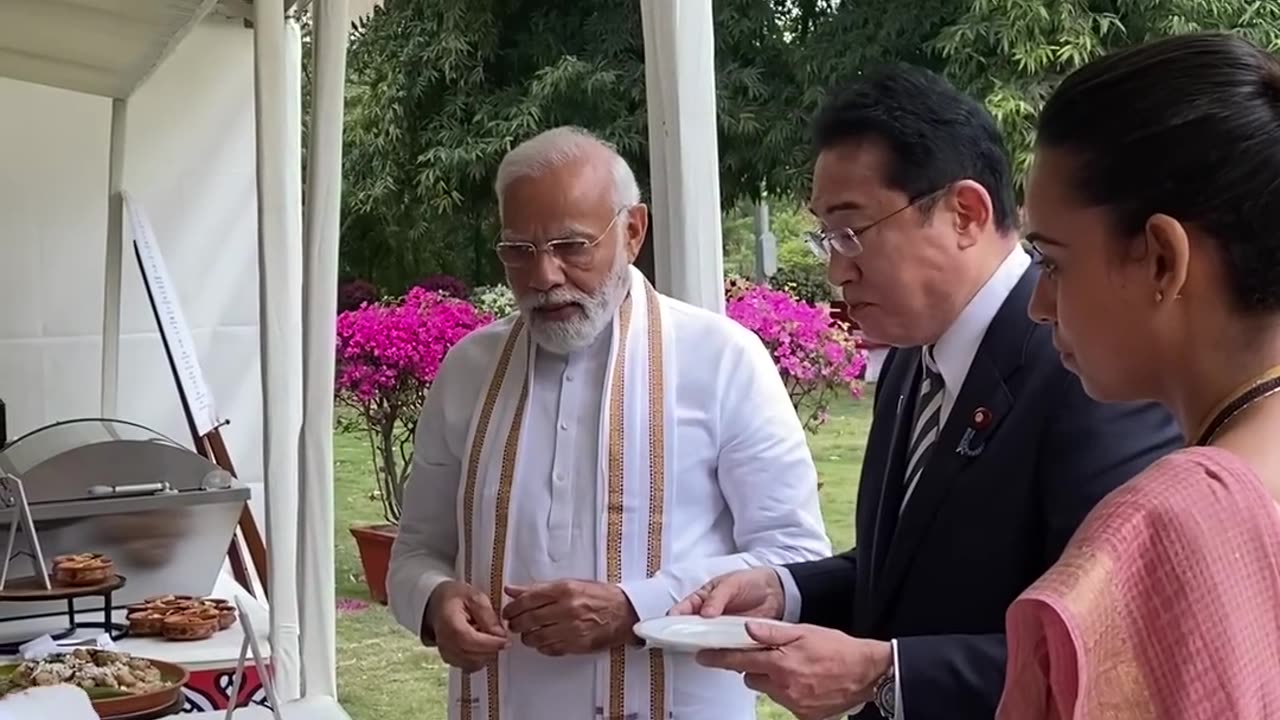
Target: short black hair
[935,134]
[1187,126]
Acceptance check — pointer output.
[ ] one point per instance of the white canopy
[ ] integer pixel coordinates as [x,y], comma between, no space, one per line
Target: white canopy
[109,48]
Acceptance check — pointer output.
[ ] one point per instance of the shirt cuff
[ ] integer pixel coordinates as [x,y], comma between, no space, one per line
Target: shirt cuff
[417,602]
[650,598]
[898,713]
[790,595]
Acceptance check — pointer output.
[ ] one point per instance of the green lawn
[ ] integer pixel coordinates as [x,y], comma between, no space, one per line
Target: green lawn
[384,674]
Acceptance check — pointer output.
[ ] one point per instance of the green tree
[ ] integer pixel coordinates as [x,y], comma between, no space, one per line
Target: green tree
[1012,53]
[441,89]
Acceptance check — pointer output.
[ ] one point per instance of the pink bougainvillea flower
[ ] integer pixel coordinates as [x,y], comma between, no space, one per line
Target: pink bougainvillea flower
[388,354]
[351,605]
[816,356]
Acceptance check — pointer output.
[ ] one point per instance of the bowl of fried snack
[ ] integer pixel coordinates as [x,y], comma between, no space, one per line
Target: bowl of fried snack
[180,617]
[83,569]
[118,684]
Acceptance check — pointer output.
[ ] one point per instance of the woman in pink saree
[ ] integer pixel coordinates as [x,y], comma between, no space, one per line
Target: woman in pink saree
[1153,206]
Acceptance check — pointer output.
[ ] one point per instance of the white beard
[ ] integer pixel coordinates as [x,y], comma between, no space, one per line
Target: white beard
[565,336]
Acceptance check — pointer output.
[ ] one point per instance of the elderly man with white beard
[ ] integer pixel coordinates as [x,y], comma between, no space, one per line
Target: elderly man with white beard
[588,461]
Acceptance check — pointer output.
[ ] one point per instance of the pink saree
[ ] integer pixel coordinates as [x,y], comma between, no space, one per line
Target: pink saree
[1165,605]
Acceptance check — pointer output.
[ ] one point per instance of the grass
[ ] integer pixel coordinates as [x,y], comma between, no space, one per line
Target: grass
[385,674]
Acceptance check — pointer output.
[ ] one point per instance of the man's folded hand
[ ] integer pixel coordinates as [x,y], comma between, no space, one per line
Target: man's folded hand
[569,616]
[468,633]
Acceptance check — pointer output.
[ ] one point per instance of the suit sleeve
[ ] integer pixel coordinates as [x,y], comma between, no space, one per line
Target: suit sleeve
[826,587]
[826,590]
[1087,450]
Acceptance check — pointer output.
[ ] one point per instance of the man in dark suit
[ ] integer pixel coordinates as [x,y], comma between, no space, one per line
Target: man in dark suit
[985,454]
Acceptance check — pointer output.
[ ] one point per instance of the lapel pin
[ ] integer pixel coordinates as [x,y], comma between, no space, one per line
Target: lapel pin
[980,421]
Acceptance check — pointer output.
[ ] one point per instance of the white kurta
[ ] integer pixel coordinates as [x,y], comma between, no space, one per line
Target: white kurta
[742,492]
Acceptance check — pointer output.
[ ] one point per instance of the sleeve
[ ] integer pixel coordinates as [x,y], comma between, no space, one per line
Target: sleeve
[949,676]
[826,590]
[791,601]
[426,546]
[898,712]
[766,476]
[821,592]
[1087,450]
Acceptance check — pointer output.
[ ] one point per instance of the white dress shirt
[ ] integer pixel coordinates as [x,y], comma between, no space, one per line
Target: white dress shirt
[745,494]
[953,353]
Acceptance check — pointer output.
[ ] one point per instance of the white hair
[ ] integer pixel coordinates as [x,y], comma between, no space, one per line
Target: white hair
[555,148]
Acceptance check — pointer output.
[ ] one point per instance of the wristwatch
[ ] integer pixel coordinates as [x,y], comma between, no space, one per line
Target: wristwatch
[885,697]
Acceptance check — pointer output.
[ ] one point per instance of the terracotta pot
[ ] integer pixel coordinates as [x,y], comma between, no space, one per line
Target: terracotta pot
[374,545]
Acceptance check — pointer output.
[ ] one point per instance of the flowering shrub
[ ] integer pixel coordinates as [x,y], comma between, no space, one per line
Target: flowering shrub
[804,283]
[496,300]
[817,358]
[735,286]
[445,285]
[388,354]
[355,293]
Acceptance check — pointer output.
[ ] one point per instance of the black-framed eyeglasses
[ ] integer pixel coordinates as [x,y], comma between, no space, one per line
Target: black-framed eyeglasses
[569,251]
[844,241]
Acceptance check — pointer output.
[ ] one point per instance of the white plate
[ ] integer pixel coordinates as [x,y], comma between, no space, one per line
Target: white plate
[691,633]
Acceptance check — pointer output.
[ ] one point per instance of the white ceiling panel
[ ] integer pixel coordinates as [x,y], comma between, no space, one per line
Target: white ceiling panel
[100,47]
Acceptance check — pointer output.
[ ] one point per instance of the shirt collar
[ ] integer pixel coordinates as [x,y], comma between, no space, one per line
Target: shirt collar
[955,350]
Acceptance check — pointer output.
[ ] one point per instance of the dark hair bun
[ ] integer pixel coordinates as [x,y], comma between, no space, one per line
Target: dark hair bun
[1188,126]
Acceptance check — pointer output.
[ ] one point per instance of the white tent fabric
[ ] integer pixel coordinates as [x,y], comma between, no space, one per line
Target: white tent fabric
[683,152]
[102,47]
[280,314]
[320,285]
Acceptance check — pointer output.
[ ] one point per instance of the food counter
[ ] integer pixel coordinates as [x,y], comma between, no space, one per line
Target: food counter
[211,662]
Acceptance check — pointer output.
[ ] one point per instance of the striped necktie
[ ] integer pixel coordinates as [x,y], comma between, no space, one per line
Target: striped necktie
[928,423]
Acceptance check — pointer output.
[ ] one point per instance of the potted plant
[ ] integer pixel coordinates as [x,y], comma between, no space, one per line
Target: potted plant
[388,354]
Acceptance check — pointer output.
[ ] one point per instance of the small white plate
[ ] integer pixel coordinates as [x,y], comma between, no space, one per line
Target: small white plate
[691,633]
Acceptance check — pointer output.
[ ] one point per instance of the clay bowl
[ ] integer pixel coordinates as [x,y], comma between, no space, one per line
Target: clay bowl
[119,706]
[190,625]
[146,623]
[111,704]
[84,572]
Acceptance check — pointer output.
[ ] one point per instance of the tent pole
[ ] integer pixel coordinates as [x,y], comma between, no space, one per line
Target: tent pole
[114,260]
[319,312]
[279,315]
[679,61]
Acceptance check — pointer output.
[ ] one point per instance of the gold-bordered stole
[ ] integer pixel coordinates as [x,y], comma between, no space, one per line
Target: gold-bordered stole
[657,486]
[657,495]
[614,507]
[504,501]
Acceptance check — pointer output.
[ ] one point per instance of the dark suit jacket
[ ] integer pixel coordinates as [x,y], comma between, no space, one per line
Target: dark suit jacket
[980,526]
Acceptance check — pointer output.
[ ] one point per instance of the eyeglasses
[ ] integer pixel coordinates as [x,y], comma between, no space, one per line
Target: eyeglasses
[574,252]
[844,241]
